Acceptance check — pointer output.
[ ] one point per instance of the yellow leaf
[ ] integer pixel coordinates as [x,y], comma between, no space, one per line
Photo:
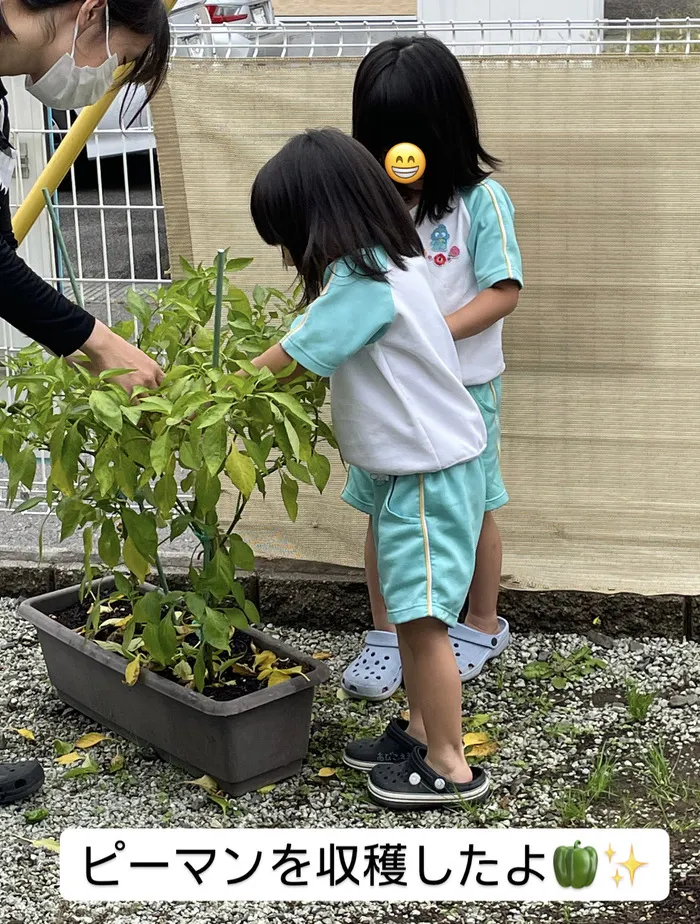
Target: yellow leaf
[406,715]
[134,560]
[473,738]
[321,655]
[48,843]
[266,789]
[90,740]
[242,669]
[265,659]
[277,677]
[207,783]
[117,623]
[133,669]
[483,750]
[341,694]
[325,772]
[71,758]
[25,733]
[241,470]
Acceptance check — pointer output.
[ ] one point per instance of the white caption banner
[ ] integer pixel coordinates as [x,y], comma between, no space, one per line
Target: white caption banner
[355,864]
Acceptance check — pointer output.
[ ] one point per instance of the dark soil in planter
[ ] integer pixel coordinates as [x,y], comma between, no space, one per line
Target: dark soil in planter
[76,616]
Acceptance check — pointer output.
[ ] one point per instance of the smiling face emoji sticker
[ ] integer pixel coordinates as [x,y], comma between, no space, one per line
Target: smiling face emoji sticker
[405,163]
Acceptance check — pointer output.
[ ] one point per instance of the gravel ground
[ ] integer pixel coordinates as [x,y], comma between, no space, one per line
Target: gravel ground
[548,771]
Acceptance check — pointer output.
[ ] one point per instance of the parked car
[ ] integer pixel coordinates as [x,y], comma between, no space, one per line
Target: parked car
[257,12]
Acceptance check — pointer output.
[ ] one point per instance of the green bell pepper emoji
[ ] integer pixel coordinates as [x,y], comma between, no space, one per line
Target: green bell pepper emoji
[575,867]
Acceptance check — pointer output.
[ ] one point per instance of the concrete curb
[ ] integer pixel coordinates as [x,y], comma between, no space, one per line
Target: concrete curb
[290,593]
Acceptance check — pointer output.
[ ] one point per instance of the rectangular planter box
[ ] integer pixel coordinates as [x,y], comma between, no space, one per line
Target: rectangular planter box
[244,744]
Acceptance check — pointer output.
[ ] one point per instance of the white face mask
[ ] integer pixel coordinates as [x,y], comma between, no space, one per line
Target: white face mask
[67,86]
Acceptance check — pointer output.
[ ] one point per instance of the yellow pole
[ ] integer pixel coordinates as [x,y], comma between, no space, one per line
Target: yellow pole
[65,156]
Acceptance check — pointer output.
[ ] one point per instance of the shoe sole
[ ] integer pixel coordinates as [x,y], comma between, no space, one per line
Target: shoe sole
[408,802]
[379,698]
[364,765]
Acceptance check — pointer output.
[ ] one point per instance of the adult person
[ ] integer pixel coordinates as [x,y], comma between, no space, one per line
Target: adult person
[69,51]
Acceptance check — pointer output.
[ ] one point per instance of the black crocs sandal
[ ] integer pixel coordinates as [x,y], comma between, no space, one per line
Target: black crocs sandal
[412,784]
[391,747]
[19,781]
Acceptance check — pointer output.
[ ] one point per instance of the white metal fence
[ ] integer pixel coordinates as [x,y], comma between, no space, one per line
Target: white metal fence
[110,208]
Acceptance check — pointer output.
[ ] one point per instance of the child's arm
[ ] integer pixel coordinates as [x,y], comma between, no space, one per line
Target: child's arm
[489,306]
[276,359]
[496,260]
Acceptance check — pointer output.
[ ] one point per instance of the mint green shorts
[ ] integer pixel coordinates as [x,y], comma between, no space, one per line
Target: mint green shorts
[359,491]
[426,530]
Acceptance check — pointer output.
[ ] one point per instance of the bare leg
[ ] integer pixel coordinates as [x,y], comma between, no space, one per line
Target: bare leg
[483,594]
[435,682]
[376,600]
[416,728]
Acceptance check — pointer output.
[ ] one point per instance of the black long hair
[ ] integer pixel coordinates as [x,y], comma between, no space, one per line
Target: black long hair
[323,197]
[144,17]
[413,89]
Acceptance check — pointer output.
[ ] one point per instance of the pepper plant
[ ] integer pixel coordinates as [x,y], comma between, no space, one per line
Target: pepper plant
[136,473]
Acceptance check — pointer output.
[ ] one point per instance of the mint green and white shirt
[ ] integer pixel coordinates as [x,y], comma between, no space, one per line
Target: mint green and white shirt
[398,403]
[472,248]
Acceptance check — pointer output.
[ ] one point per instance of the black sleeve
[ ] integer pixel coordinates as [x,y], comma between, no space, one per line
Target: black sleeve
[38,310]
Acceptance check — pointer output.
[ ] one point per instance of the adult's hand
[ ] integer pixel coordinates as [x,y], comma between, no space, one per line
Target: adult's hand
[107,350]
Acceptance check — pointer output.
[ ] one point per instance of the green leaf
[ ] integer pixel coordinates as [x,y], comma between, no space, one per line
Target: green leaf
[88,766]
[103,467]
[196,605]
[290,493]
[157,404]
[141,529]
[160,452]
[29,504]
[62,747]
[214,444]
[165,493]
[558,683]
[236,618]
[179,526]
[285,400]
[213,415]
[293,437]
[215,629]
[237,264]
[123,585]
[200,670]
[207,491]
[161,640]
[298,471]
[242,555]
[138,308]
[258,451]
[148,608]
[106,410]
[109,546]
[536,670]
[241,470]
[34,816]
[320,469]
[134,561]
[251,611]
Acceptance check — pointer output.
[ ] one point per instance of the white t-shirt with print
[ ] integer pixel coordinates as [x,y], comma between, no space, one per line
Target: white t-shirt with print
[398,403]
[473,247]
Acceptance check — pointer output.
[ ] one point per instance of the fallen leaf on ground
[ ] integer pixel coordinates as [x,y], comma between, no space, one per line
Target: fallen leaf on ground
[116,763]
[321,655]
[34,816]
[473,738]
[325,772]
[25,733]
[406,715]
[483,750]
[48,843]
[207,783]
[62,747]
[90,740]
[341,694]
[264,790]
[72,758]
[476,721]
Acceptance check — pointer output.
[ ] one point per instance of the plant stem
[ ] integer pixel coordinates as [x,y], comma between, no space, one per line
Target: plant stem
[62,246]
[218,306]
[161,575]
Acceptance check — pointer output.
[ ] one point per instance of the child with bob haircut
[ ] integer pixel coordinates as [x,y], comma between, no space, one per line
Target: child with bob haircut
[402,417]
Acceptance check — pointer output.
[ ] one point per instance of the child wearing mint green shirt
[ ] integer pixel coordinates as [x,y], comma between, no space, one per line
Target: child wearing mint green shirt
[402,418]
[413,90]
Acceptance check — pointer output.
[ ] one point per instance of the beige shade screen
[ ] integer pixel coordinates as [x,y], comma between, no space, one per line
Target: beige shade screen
[385,8]
[601,419]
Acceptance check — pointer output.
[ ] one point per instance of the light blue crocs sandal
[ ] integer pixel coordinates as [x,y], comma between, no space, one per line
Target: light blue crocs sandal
[473,648]
[376,672]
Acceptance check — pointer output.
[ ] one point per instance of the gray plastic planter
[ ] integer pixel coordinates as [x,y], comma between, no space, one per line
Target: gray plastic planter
[244,744]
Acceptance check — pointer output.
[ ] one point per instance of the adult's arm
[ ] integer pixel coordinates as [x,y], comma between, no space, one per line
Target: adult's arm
[37,309]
